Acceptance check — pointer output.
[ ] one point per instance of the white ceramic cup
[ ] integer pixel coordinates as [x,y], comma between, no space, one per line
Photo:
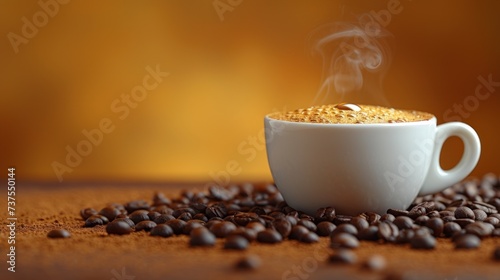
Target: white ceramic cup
[363,167]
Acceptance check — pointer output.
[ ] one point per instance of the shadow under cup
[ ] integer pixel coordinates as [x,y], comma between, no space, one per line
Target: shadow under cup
[362,167]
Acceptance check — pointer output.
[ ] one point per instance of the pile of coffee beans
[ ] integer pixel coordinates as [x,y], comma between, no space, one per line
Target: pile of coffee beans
[467,213]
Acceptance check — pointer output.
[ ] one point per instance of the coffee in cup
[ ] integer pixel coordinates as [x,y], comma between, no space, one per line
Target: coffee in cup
[359,158]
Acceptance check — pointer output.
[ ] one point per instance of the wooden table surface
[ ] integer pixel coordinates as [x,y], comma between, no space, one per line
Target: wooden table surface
[92,254]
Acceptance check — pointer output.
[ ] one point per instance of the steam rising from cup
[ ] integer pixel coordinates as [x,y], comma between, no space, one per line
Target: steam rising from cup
[355,58]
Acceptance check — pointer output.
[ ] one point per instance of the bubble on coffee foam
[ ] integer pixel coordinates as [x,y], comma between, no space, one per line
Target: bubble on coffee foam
[348,113]
[355,58]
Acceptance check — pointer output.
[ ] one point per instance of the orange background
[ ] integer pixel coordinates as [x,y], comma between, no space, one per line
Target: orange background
[225,75]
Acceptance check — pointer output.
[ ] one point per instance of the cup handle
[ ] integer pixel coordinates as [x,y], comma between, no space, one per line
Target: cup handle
[438,179]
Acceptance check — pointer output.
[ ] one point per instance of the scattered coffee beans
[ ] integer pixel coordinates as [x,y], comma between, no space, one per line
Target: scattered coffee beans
[466,213]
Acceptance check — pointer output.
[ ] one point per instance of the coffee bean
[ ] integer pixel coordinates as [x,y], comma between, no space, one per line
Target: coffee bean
[457,234]
[446,213]
[464,212]
[163,218]
[153,215]
[369,233]
[160,199]
[360,223]
[109,212]
[396,212]
[480,215]
[58,233]
[422,220]
[403,222]
[495,216]
[243,219]
[309,237]
[216,210]
[136,205]
[325,228]
[450,228]
[341,219]
[277,215]
[126,220]
[201,217]
[375,263]
[307,224]
[405,236]
[256,226]
[258,210]
[186,216]
[236,242]
[145,226]
[387,217]
[449,218]
[139,216]
[492,220]
[464,222]
[163,209]
[457,203]
[433,214]
[426,242]
[93,221]
[297,232]
[344,240]
[87,212]
[222,229]
[467,241]
[342,256]
[388,231]
[247,233]
[422,231]
[162,230]
[269,236]
[496,232]
[496,254]
[190,225]
[324,214]
[486,207]
[480,229]
[250,262]
[119,228]
[347,228]
[372,217]
[283,226]
[201,237]
[436,225]
[176,225]
[417,211]
[293,221]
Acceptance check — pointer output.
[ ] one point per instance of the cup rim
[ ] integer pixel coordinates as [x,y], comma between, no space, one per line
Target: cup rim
[413,123]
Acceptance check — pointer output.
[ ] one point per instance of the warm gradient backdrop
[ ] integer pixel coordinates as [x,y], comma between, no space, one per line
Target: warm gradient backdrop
[226,71]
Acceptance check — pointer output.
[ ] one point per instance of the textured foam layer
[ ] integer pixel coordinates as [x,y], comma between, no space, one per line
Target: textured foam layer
[345,113]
